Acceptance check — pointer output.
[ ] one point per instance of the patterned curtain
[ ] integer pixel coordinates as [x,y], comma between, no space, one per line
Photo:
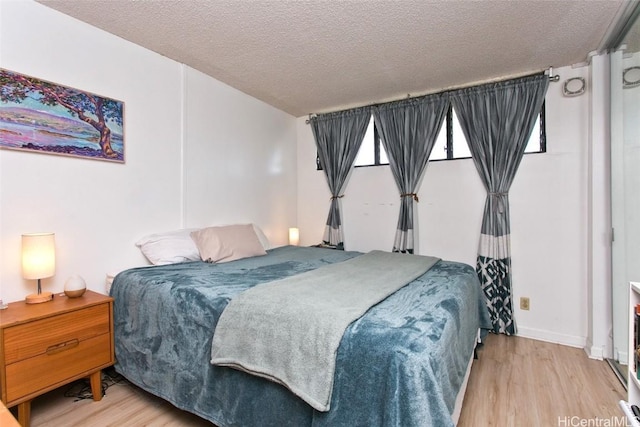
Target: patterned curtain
[408,130]
[497,120]
[338,138]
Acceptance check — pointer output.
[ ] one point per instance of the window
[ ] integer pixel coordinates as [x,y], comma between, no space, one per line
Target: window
[451,143]
[371,151]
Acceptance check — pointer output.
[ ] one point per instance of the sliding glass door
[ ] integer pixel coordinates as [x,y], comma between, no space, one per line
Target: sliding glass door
[625,184]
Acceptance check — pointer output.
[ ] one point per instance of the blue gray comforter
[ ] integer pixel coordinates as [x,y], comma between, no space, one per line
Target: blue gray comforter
[401,364]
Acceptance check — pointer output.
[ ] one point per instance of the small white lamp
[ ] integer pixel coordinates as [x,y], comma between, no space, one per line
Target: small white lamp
[38,262]
[294,236]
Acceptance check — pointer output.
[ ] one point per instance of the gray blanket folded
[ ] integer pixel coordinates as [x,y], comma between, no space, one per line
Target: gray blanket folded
[289,330]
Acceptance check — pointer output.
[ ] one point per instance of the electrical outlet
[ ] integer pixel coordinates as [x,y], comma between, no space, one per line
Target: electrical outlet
[524,303]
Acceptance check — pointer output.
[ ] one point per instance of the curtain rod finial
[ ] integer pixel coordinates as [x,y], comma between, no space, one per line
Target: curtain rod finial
[311,116]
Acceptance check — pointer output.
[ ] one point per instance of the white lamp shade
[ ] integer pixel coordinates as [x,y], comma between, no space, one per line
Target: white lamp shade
[294,236]
[38,255]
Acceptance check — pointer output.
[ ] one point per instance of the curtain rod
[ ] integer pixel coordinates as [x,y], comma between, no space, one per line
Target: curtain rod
[552,78]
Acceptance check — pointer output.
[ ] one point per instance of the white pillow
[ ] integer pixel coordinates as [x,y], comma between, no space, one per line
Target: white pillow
[227,243]
[169,247]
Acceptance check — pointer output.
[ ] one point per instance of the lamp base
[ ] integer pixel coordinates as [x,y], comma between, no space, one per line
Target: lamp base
[38,298]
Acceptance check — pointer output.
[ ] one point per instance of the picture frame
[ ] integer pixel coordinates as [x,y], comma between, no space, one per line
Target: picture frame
[45,117]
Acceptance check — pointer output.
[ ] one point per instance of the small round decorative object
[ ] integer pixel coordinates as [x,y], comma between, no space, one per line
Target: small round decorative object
[75,286]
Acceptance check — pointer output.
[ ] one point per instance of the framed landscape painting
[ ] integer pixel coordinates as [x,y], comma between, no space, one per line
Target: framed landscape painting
[39,116]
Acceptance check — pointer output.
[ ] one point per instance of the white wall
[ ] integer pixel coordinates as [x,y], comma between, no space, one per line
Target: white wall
[548,212]
[240,157]
[180,149]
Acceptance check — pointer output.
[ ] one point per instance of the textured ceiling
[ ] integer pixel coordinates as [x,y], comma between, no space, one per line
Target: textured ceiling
[305,56]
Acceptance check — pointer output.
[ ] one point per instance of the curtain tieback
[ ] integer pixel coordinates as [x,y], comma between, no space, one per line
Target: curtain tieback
[500,203]
[414,195]
[337,197]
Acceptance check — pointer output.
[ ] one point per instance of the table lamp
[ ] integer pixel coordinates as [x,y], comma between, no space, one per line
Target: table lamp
[38,262]
[294,236]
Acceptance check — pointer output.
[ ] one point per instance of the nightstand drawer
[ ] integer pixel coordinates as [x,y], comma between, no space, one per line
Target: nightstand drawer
[47,371]
[36,338]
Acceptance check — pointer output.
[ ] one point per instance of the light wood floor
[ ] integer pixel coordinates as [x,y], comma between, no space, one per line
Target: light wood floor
[515,382]
[522,382]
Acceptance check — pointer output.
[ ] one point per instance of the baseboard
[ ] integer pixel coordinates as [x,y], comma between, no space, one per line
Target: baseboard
[621,356]
[552,337]
[593,351]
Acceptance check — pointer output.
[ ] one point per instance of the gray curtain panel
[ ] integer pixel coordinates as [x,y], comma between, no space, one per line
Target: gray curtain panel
[408,130]
[497,120]
[338,138]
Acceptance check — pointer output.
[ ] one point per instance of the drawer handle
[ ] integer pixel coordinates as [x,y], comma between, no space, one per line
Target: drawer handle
[63,346]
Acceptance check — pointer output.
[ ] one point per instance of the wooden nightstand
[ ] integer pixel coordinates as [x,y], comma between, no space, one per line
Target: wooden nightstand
[45,346]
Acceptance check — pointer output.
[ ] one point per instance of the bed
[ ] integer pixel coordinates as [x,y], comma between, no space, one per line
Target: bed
[403,363]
